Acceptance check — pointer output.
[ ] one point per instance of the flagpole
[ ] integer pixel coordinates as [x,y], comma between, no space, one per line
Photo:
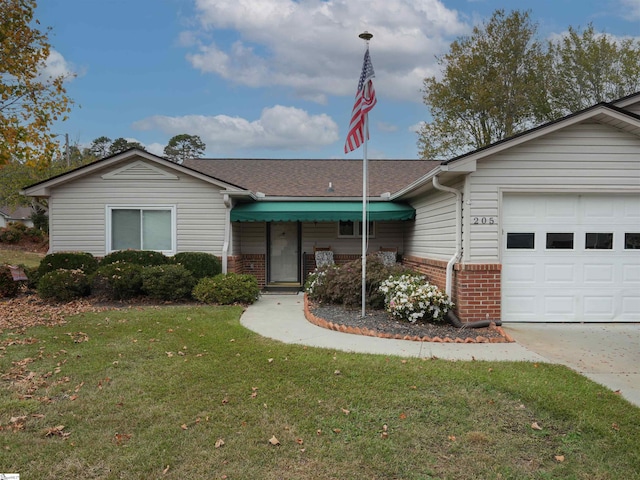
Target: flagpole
[366,36]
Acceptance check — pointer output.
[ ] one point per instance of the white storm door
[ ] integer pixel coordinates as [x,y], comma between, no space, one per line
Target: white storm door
[284,257]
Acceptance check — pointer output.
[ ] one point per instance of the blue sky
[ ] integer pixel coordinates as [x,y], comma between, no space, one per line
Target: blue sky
[271,78]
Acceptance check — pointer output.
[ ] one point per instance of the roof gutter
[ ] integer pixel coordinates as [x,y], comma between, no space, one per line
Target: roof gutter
[227,231]
[456,256]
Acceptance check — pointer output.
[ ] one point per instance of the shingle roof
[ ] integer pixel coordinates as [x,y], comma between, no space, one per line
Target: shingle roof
[310,178]
[15,213]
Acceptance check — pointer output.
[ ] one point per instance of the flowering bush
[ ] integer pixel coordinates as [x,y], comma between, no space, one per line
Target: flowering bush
[411,297]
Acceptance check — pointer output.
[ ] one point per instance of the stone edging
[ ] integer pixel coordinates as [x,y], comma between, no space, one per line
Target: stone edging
[321,322]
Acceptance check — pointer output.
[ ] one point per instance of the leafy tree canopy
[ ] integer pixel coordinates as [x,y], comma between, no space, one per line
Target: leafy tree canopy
[501,80]
[29,102]
[182,147]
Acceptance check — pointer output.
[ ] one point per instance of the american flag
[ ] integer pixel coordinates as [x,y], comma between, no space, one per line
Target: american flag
[365,100]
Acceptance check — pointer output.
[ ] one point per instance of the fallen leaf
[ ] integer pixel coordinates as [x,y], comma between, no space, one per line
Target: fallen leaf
[299,441]
[615,427]
[169,354]
[345,411]
[57,431]
[336,430]
[219,443]
[184,426]
[403,416]
[337,372]
[165,470]
[385,427]
[535,426]
[270,360]
[452,438]
[225,400]
[384,435]
[274,441]
[559,458]
[318,432]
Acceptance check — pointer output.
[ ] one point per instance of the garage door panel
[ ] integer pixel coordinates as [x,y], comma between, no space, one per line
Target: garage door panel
[522,273]
[559,307]
[561,273]
[598,273]
[598,279]
[631,274]
[599,305]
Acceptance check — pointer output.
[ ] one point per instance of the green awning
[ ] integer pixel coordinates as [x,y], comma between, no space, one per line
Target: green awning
[319,211]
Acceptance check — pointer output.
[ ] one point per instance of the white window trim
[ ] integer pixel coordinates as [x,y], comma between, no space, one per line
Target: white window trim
[172,208]
[356,230]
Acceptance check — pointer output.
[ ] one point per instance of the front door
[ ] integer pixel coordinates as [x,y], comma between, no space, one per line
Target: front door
[284,256]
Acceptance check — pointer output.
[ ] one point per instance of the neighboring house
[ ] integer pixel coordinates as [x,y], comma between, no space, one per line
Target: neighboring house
[15,214]
[543,226]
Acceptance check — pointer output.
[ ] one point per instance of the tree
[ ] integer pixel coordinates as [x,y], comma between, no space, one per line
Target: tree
[121,144]
[590,67]
[29,102]
[182,147]
[100,147]
[490,87]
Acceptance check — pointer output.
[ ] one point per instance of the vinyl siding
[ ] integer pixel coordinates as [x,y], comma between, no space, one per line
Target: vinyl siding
[433,232]
[584,157]
[78,210]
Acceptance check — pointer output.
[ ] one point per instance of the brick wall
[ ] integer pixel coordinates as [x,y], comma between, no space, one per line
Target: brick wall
[475,290]
[254,264]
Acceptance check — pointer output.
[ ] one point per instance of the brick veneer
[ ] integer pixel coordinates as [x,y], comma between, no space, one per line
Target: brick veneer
[254,264]
[476,287]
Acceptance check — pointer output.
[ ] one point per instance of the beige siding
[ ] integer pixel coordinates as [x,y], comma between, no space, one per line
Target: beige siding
[78,210]
[433,232]
[585,157]
[325,234]
[253,238]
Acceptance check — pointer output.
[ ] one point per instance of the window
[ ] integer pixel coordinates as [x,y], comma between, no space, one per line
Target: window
[524,241]
[349,229]
[560,241]
[146,228]
[598,241]
[632,241]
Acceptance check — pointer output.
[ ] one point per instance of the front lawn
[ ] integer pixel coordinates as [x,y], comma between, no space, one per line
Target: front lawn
[185,392]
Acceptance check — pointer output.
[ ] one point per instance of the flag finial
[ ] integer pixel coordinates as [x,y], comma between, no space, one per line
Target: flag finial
[366,36]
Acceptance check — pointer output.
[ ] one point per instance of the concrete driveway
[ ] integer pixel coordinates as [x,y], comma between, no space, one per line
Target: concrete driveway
[606,353]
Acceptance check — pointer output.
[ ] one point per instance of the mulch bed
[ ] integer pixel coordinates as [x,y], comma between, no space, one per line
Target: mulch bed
[379,323]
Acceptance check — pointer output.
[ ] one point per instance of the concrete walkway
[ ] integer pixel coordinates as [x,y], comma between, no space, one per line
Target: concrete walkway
[607,353]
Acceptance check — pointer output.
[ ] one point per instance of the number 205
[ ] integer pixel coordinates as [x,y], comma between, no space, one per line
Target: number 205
[484,220]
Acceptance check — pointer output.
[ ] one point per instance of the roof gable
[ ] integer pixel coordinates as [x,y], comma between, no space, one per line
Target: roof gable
[139,170]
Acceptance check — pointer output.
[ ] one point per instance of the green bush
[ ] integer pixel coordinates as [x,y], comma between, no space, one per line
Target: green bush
[8,286]
[343,284]
[200,264]
[226,289]
[40,220]
[146,258]
[33,276]
[118,280]
[63,285]
[83,261]
[10,234]
[167,282]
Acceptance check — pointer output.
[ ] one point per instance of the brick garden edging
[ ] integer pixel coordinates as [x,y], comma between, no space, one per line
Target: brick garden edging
[321,322]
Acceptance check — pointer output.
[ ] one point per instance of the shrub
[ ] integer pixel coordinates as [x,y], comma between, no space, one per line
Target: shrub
[118,280]
[40,220]
[8,286]
[10,235]
[411,297]
[167,282]
[33,276]
[146,258]
[226,289]
[343,284]
[63,285]
[82,261]
[200,264]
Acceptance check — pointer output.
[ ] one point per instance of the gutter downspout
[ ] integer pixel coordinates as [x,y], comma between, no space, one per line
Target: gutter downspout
[458,252]
[227,231]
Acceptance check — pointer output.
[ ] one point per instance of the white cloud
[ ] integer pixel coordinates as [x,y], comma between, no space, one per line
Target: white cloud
[278,127]
[155,148]
[631,9]
[312,46]
[56,66]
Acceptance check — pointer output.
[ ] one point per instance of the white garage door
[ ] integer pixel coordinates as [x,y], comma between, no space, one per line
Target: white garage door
[570,258]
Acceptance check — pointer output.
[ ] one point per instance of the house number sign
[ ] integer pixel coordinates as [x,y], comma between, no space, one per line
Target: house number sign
[484,220]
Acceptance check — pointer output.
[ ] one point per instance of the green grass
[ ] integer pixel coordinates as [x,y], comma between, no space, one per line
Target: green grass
[146,391]
[17,257]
